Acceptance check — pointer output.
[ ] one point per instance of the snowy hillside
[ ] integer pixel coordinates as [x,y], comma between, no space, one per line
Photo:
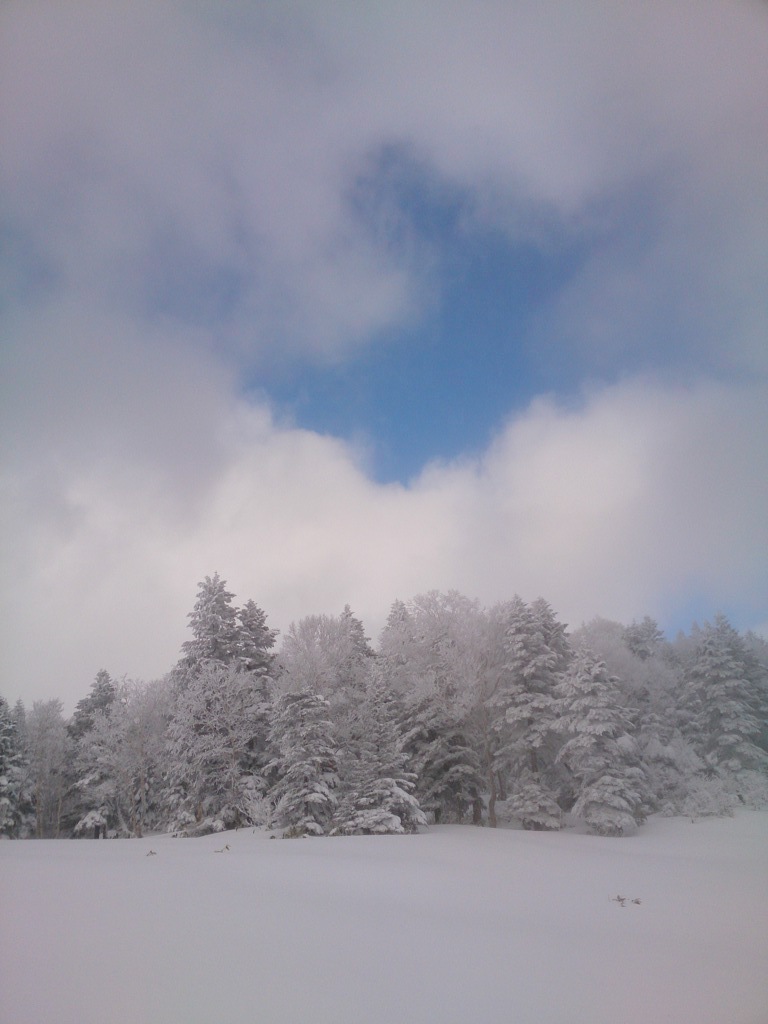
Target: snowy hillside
[456,924]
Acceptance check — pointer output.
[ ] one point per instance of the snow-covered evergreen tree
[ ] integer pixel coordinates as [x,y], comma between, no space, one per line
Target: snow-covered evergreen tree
[102,694]
[598,750]
[757,652]
[397,649]
[217,736]
[85,783]
[255,641]
[216,631]
[25,806]
[648,672]
[120,760]
[432,653]
[723,696]
[449,779]
[216,739]
[11,773]
[304,764]
[378,788]
[534,654]
[643,638]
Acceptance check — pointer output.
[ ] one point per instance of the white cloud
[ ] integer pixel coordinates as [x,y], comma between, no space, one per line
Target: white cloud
[229,141]
[632,504]
[175,181]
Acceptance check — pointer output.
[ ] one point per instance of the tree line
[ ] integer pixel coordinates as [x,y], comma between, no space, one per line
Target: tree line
[460,714]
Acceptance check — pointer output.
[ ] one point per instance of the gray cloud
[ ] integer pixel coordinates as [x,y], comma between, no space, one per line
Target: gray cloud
[640,500]
[178,186]
[231,139]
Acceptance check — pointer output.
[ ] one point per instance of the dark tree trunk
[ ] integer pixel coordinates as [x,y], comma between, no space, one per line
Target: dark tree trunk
[492,799]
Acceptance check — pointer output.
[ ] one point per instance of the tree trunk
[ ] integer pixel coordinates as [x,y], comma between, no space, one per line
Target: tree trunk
[39,814]
[58,814]
[501,785]
[492,799]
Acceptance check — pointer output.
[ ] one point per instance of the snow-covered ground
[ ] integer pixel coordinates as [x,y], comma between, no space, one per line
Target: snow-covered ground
[455,925]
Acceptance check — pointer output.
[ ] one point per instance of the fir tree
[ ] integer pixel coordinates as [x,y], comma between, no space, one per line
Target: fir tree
[448,774]
[215,739]
[99,700]
[120,760]
[256,640]
[598,749]
[644,638]
[304,763]
[724,697]
[378,786]
[213,621]
[534,656]
[11,773]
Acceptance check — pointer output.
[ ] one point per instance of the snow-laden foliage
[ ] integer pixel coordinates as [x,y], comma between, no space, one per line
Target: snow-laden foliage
[100,699]
[49,752]
[224,634]
[441,639]
[94,823]
[724,689]
[533,654]
[11,773]
[255,640]
[643,639]
[213,622]
[377,785]
[495,713]
[330,654]
[598,750]
[121,760]
[447,768]
[431,652]
[217,742]
[305,764]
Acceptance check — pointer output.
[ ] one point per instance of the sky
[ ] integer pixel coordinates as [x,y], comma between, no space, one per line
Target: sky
[350,302]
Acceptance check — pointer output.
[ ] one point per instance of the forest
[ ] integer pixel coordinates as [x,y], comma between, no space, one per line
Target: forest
[492,716]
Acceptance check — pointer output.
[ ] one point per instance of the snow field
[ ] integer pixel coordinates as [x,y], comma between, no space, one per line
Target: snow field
[455,925]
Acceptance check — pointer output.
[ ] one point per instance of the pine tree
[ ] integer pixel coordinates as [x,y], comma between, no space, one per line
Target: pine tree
[448,774]
[87,785]
[378,786]
[256,640]
[213,621]
[599,750]
[11,775]
[304,764]
[120,760]
[644,638]
[100,699]
[724,698]
[215,738]
[432,653]
[396,650]
[534,656]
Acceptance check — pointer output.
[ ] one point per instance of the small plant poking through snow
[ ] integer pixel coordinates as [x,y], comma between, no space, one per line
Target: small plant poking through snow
[624,900]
